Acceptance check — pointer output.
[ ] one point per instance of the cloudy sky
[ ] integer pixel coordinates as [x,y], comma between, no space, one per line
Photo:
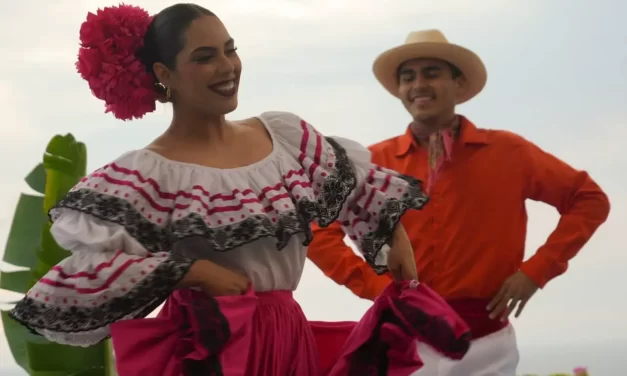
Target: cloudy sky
[556,75]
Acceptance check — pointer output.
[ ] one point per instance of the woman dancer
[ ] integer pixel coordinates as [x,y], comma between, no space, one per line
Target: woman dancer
[211,205]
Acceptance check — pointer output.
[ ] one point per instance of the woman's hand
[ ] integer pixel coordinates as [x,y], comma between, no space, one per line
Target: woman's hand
[401,262]
[214,279]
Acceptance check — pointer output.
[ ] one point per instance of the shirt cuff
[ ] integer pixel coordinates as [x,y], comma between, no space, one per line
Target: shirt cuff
[541,270]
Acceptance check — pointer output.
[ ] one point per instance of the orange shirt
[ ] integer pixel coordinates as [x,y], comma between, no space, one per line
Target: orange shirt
[471,235]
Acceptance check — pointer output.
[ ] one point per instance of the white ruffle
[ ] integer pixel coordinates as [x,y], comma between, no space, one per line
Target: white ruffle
[146,218]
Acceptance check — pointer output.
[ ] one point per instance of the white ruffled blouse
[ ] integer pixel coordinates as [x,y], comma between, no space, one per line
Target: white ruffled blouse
[135,226]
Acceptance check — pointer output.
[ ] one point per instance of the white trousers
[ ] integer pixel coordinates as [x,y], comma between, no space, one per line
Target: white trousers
[493,355]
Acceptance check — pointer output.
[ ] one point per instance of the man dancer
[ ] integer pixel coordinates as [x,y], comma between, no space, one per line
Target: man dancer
[469,240]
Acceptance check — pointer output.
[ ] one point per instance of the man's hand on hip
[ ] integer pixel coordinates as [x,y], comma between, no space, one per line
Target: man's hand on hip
[516,291]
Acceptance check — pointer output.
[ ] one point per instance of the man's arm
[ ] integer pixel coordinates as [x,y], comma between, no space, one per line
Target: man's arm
[581,203]
[338,262]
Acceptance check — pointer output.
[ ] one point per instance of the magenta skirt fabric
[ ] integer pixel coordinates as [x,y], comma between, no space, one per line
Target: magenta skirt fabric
[266,334]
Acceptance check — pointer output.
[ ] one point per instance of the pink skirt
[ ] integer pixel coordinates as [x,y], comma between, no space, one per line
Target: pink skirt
[267,334]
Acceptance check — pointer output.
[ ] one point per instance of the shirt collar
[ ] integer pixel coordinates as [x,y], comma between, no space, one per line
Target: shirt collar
[469,134]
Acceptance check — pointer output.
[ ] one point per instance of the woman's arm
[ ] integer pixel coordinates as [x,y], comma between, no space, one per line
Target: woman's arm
[401,262]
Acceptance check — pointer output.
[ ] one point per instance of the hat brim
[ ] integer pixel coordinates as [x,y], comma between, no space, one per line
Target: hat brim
[386,66]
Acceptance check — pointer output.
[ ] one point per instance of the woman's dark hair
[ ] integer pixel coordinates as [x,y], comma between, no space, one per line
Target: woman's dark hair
[164,38]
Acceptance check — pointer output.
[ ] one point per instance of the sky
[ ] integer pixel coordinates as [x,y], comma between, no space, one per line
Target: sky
[556,75]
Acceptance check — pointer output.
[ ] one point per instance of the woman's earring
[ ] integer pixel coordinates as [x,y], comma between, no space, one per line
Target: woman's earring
[168,94]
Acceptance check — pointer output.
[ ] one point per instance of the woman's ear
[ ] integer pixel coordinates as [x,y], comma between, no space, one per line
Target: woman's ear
[163,74]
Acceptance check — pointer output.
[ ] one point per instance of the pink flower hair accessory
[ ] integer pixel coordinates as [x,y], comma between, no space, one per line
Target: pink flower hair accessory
[107,60]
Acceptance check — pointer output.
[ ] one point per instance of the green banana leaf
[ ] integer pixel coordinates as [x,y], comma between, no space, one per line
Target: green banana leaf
[37,179]
[31,246]
[16,281]
[23,237]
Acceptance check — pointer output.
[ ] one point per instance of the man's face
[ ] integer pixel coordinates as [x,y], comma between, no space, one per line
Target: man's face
[429,89]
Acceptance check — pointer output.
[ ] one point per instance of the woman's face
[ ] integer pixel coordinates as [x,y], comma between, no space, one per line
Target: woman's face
[208,68]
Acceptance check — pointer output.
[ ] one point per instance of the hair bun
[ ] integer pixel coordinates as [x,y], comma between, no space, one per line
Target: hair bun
[107,60]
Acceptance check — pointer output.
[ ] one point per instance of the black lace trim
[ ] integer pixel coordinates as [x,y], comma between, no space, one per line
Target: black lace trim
[205,321]
[140,301]
[326,209]
[335,189]
[149,294]
[389,217]
[115,210]
[371,359]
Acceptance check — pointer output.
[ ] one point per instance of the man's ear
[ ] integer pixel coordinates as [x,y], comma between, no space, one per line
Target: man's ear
[462,85]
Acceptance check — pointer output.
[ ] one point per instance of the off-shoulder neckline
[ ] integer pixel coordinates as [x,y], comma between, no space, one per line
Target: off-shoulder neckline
[265,160]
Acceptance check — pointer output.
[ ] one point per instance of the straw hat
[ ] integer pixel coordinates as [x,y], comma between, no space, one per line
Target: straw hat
[430,44]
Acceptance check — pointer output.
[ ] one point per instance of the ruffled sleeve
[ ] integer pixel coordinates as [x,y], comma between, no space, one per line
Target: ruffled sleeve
[366,199]
[120,268]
